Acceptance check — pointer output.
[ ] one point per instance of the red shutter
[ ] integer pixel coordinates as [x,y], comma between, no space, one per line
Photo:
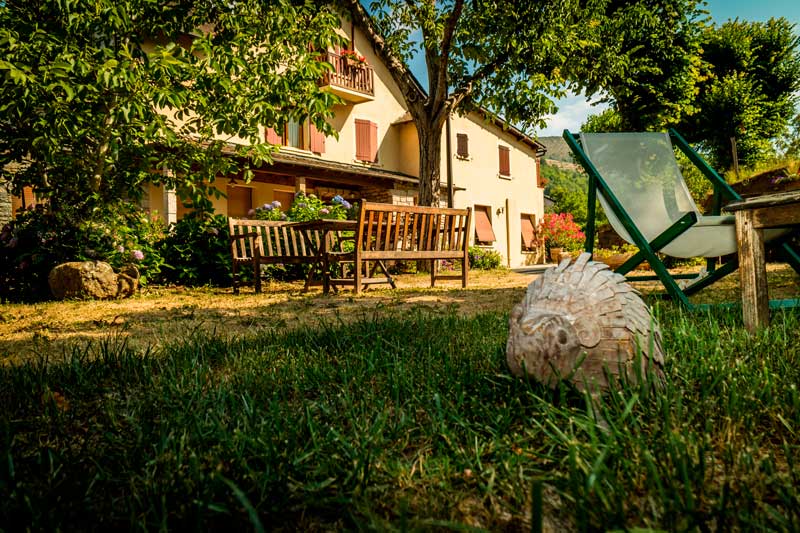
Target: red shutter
[373,142]
[505,163]
[528,232]
[317,140]
[462,145]
[273,137]
[366,140]
[483,225]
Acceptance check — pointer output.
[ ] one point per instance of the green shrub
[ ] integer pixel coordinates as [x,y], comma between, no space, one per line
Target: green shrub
[38,239]
[484,258]
[197,251]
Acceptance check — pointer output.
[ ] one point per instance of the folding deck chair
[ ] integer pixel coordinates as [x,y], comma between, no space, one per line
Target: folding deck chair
[648,204]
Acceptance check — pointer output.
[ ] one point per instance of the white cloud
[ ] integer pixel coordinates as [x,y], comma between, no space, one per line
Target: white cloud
[572,112]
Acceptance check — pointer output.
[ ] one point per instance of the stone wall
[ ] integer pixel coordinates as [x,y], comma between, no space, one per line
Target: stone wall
[5,205]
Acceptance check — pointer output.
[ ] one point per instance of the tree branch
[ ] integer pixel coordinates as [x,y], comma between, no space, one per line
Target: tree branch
[439,90]
[483,72]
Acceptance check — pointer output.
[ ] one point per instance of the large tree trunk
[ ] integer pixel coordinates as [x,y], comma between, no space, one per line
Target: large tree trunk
[430,161]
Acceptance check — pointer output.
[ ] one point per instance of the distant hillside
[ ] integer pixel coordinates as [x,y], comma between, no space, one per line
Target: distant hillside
[557,149]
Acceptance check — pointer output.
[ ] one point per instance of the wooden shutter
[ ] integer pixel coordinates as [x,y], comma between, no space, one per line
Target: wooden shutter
[240,201]
[528,232]
[362,140]
[505,160]
[273,137]
[366,140]
[483,225]
[317,140]
[462,145]
[373,142]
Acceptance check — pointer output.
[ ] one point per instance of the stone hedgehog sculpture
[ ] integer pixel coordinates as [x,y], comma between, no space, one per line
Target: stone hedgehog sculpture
[578,322]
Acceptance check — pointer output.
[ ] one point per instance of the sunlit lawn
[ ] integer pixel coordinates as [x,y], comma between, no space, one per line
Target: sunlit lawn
[394,410]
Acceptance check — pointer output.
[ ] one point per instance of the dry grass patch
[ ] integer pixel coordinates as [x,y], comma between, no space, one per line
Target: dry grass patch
[162,314]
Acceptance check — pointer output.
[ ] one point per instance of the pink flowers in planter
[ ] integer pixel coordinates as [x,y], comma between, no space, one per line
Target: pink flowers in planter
[561,231]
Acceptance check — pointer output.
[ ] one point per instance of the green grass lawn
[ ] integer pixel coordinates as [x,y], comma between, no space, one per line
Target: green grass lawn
[402,421]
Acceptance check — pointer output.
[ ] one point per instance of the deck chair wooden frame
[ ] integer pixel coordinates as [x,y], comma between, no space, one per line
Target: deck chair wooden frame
[648,249]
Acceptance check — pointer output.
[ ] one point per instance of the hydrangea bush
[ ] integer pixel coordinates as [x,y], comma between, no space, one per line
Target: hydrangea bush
[38,239]
[305,207]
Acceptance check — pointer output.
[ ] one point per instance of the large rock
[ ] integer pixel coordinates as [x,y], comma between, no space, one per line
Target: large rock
[92,280]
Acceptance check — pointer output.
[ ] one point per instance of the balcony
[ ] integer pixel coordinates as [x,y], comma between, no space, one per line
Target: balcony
[352,82]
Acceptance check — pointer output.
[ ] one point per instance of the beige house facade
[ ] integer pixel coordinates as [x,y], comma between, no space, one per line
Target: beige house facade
[494,168]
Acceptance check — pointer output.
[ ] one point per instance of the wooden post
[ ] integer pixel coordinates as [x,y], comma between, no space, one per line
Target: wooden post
[755,300]
[735,157]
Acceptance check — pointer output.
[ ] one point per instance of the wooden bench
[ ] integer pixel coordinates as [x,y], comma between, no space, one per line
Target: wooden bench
[405,233]
[266,242]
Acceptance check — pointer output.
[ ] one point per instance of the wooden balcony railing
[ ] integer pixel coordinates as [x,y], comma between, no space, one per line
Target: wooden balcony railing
[355,77]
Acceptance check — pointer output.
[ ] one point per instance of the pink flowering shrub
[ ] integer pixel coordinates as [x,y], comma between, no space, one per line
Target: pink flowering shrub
[561,231]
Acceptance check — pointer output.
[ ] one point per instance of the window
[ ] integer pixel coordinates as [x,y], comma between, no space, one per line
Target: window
[529,234]
[462,146]
[240,201]
[366,141]
[505,160]
[290,135]
[484,234]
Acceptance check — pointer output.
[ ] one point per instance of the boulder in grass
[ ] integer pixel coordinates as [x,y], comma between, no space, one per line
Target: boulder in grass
[89,280]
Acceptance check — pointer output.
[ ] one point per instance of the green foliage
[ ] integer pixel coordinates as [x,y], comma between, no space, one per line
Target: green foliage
[484,258]
[39,239]
[86,86]
[789,144]
[653,49]
[310,207]
[750,93]
[383,423]
[508,59]
[607,121]
[307,207]
[568,189]
[738,80]
[197,251]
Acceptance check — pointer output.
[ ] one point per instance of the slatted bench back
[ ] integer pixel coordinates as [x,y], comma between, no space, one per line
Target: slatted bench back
[399,232]
[275,241]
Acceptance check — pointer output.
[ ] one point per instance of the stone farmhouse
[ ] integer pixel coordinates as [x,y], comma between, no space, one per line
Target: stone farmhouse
[494,167]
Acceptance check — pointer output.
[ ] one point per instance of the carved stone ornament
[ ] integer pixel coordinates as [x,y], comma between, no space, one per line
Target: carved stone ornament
[583,323]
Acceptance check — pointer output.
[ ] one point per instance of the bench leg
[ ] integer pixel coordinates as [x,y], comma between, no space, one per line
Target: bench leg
[434,264]
[235,274]
[257,276]
[357,277]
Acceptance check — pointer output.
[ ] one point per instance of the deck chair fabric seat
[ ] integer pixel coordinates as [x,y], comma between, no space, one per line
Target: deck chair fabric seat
[642,172]
[636,178]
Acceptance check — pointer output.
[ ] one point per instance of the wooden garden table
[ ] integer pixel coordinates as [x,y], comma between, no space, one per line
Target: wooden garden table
[753,216]
[325,226]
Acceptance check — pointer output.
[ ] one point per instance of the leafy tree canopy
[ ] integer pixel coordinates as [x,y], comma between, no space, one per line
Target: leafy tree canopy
[751,91]
[738,80]
[100,96]
[512,58]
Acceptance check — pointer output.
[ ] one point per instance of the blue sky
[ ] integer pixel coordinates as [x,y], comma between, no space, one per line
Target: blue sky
[573,110]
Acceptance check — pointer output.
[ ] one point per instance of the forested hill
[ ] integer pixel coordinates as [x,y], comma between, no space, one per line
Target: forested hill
[557,149]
